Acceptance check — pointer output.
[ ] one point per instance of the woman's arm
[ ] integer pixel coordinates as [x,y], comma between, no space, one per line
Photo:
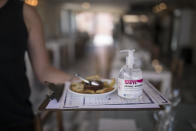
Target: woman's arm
[37,50]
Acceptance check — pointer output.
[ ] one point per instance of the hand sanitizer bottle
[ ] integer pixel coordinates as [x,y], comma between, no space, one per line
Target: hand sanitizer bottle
[130,81]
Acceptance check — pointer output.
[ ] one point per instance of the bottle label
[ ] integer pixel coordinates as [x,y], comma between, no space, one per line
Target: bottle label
[129,84]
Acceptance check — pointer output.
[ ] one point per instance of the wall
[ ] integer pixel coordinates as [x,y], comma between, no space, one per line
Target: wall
[193,34]
[50,15]
[193,40]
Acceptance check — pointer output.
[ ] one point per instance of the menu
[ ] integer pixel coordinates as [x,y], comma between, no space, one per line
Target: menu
[151,98]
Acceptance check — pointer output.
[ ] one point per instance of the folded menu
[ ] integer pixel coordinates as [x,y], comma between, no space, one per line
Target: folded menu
[151,98]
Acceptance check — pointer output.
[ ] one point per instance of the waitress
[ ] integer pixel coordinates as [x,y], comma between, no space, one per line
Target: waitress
[21,30]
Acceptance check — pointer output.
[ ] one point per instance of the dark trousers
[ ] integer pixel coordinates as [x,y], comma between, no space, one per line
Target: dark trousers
[27,126]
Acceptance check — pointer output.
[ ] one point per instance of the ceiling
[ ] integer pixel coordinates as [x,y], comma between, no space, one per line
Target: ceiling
[128,2]
[105,1]
[118,6]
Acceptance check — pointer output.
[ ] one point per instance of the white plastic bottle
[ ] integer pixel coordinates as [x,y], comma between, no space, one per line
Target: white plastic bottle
[130,81]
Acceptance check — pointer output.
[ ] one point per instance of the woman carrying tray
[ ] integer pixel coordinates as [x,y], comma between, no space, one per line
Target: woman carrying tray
[20,31]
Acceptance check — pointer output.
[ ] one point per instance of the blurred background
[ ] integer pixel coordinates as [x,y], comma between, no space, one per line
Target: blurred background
[85,36]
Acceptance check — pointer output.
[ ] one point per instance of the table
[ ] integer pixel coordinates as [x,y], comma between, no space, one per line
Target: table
[56,45]
[150,99]
[44,107]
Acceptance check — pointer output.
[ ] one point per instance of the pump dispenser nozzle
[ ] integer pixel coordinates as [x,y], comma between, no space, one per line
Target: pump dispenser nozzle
[129,58]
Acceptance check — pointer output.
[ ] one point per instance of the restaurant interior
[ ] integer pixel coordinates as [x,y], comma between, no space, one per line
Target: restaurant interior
[86,36]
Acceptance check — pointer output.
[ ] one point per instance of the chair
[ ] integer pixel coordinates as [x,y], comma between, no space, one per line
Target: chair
[41,118]
[177,68]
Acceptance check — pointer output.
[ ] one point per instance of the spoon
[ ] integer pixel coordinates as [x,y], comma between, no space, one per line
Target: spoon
[86,81]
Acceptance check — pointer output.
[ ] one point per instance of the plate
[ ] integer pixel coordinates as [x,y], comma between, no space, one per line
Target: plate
[103,94]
